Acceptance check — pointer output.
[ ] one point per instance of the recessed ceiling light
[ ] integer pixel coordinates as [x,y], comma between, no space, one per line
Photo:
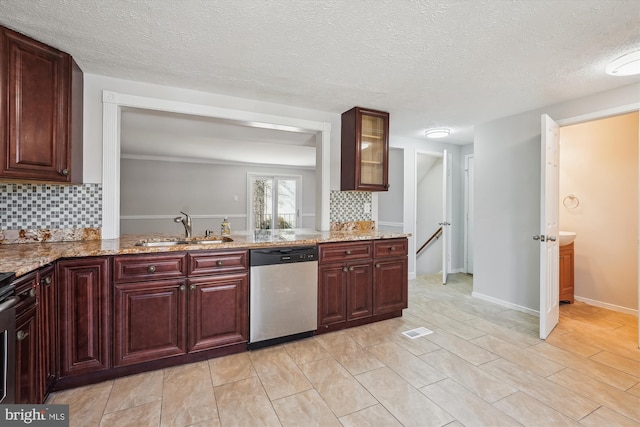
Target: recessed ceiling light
[437,133]
[626,65]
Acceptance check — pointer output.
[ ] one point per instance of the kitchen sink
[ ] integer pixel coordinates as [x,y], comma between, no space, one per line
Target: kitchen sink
[192,241]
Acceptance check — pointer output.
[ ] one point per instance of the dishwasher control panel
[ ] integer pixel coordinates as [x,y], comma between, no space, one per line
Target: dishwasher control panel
[283,255]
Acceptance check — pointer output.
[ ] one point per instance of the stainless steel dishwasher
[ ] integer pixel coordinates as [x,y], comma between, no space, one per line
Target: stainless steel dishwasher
[283,302]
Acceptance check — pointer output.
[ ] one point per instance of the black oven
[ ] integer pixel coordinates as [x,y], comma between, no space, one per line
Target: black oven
[7,338]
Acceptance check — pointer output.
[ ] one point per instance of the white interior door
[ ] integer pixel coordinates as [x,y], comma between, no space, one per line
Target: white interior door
[549,217]
[446,224]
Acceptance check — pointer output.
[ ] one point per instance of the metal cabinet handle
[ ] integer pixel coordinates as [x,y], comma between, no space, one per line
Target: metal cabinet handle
[46,281]
[350,268]
[345,269]
[32,292]
[20,335]
[348,252]
[378,265]
[64,172]
[392,248]
[151,269]
[219,263]
[182,288]
[192,287]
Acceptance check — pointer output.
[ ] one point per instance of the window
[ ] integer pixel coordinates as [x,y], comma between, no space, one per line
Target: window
[274,201]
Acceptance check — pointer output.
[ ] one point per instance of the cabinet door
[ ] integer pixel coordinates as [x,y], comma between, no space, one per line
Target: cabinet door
[150,321]
[37,79]
[218,311]
[566,267]
[360,298]
[27,357]
[365,150]
[84,331]
[47,331]
[390,284]
[332,294]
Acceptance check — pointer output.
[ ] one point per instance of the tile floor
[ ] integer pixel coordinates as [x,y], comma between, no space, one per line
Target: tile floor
[483,365]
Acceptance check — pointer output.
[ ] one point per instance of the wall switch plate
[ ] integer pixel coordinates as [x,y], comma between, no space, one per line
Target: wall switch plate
[235,198]
[367,208]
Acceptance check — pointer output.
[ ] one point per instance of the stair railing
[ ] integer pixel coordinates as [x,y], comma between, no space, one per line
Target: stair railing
[433,236]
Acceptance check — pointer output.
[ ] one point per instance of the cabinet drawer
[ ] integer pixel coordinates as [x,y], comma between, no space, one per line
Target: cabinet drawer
[128,268]
[344,251]
[390,248]
[201,263]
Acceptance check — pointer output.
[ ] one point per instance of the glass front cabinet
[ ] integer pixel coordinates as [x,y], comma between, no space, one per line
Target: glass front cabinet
[365,150]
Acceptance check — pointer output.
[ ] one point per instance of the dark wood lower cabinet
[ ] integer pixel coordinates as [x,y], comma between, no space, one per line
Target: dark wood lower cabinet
[359,290]
[332,294]
[218,312]
[159,319]
[390,285]
[84,293]
[27,385]
[150,321]
[47,329]
[353,292]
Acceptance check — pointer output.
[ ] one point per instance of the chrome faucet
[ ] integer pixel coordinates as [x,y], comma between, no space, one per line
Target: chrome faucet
[186,221]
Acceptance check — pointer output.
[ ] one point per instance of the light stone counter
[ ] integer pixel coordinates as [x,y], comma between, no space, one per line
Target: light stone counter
[22,258]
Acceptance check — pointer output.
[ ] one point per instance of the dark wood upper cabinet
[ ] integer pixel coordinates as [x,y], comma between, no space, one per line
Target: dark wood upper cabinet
[365,150]
[41,91]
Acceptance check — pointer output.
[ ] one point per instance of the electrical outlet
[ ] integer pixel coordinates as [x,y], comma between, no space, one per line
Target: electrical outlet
[367,208]
[235,198]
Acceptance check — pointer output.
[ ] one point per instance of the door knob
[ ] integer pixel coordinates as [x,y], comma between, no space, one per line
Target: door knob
[551,238]
[539,237]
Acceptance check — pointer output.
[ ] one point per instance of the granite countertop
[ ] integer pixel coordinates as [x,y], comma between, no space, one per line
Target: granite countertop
[22,258]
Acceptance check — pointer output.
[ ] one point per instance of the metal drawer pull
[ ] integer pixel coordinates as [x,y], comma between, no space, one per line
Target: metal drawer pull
[46,281]
[347,252]
[192,287]
[64,172]
[378,265]
[20,335]
[392,248]
[350,268]
[151,269]
[182,288]
[345,269]
[219,263]
[32,292]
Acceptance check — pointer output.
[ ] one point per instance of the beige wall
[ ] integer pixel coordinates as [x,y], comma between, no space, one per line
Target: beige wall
[599,165]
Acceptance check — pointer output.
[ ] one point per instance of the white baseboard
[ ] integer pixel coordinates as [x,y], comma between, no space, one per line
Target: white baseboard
[506,304]
[606,305]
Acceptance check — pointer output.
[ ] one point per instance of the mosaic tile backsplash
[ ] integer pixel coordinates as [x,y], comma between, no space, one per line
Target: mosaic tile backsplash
[348,206]
[50,206]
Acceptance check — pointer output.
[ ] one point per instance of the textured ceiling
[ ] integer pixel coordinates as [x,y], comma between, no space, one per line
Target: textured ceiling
[429,63]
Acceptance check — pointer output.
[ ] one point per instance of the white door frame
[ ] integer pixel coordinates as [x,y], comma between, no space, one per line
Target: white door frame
[415,202]
[468,194]
[112,104]
[601,114]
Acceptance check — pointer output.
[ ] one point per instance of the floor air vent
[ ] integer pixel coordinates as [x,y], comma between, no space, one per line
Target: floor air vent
[417,332]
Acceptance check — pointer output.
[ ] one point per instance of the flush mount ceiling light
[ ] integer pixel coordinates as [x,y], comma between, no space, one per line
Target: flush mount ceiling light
[626,65]
[437,133]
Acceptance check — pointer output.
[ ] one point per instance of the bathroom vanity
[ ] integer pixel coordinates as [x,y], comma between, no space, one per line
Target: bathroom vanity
[566,273]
